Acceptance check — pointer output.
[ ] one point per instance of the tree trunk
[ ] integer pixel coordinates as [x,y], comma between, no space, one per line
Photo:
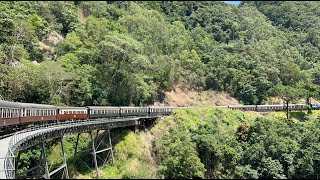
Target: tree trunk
[287,109]
[309,104]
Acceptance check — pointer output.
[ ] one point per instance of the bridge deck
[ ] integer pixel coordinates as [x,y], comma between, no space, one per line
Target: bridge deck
[35,135]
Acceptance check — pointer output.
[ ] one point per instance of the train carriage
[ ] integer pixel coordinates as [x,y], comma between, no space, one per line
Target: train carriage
[37,112]
[244,107]
[154,111]
[262,108]
[133,111]
[9,113]
[221,106]
[295,107]
[69,113]
[103,111]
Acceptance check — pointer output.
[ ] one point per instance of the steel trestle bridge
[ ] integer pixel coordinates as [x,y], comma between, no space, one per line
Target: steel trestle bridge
[11,146]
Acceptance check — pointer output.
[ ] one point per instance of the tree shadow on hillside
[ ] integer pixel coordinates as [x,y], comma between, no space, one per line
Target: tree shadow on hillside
[300,115]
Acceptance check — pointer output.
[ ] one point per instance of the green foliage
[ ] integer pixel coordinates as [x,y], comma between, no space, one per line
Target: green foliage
[127,53]
[233,144]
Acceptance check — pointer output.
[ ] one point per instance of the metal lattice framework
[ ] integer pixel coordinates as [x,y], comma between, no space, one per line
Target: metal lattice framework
[38,134]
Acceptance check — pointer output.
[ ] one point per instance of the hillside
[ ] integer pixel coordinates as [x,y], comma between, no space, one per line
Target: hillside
[179,97]
[132,53]
[204,142]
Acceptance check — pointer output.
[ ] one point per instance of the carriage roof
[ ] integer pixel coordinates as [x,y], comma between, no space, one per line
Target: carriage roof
[9,104]
[37,106]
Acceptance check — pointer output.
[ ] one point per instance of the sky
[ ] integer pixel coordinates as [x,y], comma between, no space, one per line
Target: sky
[233,2]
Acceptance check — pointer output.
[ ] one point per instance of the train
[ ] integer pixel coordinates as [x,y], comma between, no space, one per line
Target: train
[272,107]
[16,115]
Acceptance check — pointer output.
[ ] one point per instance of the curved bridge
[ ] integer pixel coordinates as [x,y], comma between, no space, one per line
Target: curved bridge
[27,138]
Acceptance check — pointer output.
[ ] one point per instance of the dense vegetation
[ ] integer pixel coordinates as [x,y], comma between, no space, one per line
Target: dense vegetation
[221,143]
[204,143]
[129,53]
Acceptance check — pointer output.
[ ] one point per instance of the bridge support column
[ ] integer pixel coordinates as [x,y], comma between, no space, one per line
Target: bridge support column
[75,151]
[16,165]
[66,173]
[94,155]
[136,126]
[106,139]
[48,174]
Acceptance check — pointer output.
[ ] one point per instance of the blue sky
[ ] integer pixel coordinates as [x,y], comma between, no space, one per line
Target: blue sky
[233,2]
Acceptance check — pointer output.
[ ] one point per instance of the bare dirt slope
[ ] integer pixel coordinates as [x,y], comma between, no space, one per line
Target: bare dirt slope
[180,97]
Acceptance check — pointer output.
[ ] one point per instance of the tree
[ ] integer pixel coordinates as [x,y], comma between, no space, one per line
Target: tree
[287,93]
[179,157]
